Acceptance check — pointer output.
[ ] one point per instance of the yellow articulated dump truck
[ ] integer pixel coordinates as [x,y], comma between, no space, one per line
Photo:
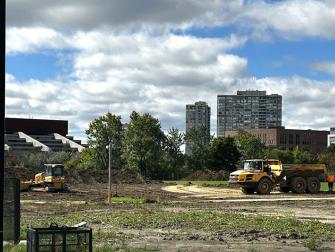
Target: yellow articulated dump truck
[262,175]
[51,179]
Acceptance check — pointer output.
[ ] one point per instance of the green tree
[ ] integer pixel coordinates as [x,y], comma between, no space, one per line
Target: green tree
[328,157]
[223,154]
[197,139]
[173,157]
[101,131]
[143,145]
[303,156]
[250,146]
[285,156]
[86,159]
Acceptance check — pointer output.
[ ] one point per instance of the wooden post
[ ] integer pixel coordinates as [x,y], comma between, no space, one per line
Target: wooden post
[110,172]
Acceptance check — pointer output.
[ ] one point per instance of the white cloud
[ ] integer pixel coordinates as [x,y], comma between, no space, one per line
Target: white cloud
[292,18]
[127,59]
[324,66]
[28,40]
[124,73]
[305,101]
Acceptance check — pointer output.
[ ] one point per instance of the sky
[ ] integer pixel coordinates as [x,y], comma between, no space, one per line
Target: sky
[76,60]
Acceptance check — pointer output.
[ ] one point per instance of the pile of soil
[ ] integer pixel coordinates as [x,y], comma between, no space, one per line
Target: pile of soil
[22,173]
[74,176]
[208,175]
[89,176]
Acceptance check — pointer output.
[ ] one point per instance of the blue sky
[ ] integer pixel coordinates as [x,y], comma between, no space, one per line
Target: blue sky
[165,54]
[43,65]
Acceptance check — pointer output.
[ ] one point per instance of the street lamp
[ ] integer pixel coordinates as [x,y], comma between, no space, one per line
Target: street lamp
[109,147]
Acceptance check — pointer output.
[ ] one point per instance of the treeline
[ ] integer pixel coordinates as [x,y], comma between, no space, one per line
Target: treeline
[143,147]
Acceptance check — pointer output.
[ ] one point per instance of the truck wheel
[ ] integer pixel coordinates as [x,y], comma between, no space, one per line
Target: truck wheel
[264,186]
[284,189]
[248,190]
[298,185]
[313,185]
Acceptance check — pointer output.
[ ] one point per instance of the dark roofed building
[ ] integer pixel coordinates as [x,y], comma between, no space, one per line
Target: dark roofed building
[36,126]
[38,134]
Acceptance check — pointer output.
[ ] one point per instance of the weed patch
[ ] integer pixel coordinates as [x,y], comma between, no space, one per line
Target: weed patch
[15,248]
[288,227]
[313,243]
[127,200]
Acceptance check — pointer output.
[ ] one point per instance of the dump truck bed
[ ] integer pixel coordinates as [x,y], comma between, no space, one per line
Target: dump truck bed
[304,169]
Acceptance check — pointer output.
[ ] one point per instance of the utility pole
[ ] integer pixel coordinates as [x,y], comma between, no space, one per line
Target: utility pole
[110,172]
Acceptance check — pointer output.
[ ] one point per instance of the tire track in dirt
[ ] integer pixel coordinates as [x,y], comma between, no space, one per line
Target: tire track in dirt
[235,195]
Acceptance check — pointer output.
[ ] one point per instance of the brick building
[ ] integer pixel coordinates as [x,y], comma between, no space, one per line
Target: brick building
[313,140]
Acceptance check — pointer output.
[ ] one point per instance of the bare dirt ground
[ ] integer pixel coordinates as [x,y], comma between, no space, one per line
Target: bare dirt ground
[86,199]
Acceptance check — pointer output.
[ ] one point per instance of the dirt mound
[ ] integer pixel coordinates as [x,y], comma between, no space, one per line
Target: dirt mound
[74,176]
[89,176]
[21,173]
[208,175]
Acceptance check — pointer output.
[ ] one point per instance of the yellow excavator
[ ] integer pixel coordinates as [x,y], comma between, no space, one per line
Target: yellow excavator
[50,180]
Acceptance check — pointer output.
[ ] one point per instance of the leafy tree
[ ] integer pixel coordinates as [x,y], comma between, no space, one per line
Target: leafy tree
[59,157]
[198,139]
[284,155]
[143,145]
[303,156]
[223,154]
[328,157]
[250,146]
[173,157]
[82,160]
[101,131]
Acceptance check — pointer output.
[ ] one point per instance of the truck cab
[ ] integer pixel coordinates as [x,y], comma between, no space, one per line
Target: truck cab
[255,170]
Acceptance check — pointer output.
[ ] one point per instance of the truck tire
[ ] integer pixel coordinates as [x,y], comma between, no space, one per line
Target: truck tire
[313,185]
[264,186]
[298,185]
[284,189]
[248,190]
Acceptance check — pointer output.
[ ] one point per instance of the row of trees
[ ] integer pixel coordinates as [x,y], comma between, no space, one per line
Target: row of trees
[142,146]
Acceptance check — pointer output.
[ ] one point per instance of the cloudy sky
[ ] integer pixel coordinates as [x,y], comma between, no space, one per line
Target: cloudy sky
[75,60]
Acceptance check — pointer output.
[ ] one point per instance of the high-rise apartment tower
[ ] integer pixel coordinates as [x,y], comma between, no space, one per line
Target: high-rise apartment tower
[248,110]
[197,115]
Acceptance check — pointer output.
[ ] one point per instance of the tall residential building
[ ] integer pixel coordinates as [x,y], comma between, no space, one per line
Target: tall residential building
[248,110]
[331,137]
[197,115]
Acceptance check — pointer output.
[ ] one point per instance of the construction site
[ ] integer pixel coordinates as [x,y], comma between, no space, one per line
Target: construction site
[182,215]
[262,205]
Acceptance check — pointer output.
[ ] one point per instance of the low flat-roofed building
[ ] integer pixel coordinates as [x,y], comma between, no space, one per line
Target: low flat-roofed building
[38,135]
[312,140]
